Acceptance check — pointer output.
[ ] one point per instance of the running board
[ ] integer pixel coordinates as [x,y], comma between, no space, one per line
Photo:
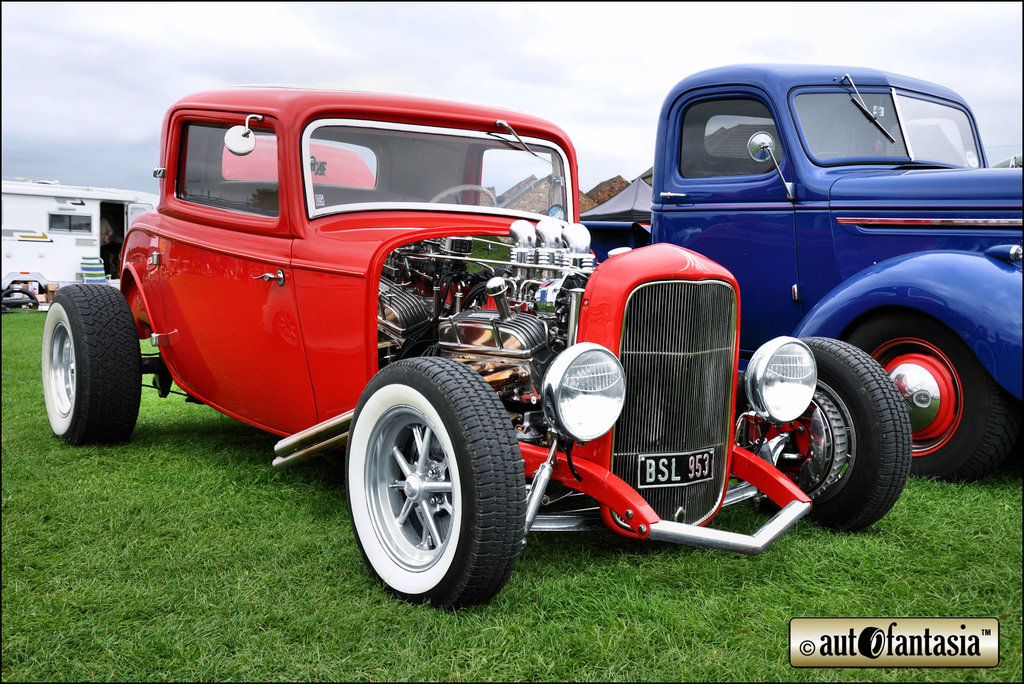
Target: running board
[302,446]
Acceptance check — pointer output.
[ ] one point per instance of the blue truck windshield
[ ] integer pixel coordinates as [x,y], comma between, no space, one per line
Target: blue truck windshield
[836,129]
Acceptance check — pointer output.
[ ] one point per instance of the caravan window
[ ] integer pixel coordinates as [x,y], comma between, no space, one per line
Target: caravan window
[70,223]
[213,176]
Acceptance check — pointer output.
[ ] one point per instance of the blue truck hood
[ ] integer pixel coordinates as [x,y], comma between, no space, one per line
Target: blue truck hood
[979,188]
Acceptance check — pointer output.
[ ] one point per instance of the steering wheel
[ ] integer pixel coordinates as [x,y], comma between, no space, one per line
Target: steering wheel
[468,186]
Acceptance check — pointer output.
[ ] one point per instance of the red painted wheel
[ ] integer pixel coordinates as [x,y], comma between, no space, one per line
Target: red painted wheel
[930,386]
[964,424]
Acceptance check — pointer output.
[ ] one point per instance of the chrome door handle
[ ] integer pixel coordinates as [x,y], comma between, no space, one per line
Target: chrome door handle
[279,277]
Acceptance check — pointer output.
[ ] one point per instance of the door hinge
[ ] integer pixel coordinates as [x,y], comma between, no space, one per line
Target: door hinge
[797,293]
[155,258]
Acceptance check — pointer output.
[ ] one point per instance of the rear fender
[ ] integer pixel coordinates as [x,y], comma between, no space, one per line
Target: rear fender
[975,295]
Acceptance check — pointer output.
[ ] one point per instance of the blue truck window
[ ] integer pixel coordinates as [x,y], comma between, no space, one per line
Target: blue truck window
[715,134]
[938,132]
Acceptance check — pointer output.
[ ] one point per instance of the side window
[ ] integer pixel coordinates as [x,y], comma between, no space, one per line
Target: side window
[212,175]
[715,135]
[70,223]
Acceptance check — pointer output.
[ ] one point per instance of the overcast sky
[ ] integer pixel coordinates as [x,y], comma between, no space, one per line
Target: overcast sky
[85,85]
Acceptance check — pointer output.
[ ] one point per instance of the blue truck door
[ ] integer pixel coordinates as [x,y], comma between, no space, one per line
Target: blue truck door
[711,196]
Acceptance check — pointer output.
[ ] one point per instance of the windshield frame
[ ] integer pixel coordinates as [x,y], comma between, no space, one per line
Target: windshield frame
[895,94]
[499,135]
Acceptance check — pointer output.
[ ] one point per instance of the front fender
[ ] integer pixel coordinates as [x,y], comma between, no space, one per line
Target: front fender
[977,296]
[131,288]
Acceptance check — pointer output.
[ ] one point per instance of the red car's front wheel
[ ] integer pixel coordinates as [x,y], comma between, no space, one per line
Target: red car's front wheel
[850,450]
[436,488]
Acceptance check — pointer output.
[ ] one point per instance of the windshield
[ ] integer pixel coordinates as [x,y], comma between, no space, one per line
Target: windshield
[351,165]
[837,128]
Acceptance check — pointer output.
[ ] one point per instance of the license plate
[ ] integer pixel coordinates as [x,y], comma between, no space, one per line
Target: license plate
[673,470]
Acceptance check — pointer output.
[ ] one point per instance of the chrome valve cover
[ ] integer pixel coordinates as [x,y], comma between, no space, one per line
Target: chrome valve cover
[483,331]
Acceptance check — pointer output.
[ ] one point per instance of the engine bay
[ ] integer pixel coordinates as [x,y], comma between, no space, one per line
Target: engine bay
[504,306]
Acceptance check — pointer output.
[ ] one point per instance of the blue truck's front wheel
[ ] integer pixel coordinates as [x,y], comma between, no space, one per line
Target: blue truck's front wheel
[963,423]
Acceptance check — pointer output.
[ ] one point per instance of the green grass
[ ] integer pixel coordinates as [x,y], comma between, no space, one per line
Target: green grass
[184,556]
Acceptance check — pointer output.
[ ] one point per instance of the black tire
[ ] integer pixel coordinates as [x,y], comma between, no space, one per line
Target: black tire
[972,428]
[92,366]
[16,298]
[467,484]
[864,417]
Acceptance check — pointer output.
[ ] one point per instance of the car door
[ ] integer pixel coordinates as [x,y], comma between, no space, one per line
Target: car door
[232,336]
[716,199]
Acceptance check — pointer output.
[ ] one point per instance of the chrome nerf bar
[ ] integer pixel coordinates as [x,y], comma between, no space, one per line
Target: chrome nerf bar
[751,544]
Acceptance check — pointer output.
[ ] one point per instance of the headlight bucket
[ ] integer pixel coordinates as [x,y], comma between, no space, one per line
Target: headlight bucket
[781,378]
[583,391]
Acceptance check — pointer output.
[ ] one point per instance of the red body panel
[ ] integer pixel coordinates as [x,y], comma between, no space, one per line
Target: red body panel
[336,279]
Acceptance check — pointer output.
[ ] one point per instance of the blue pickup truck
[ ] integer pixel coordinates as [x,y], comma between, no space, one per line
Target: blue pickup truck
[857,204]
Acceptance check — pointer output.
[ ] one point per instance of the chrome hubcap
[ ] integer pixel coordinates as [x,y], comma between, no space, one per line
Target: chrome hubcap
[820,436]
[930,387]
[833,445]
[410,488]
[62,369]
[920,391]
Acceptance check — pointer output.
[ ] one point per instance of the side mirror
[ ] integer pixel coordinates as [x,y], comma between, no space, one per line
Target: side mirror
[761,148]
[240,140]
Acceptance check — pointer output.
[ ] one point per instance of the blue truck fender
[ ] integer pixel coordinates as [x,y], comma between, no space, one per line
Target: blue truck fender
[978,296]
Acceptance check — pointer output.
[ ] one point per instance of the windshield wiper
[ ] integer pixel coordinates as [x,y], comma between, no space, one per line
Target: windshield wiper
[504,124]
[859,101]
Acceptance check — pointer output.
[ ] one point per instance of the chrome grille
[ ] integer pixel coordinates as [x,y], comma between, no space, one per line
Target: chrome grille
[677,350]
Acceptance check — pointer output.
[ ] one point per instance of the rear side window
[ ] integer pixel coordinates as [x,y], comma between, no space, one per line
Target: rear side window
[715,135]
[213,176]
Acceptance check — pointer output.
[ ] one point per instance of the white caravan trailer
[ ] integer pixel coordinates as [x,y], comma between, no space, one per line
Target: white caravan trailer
[50,230]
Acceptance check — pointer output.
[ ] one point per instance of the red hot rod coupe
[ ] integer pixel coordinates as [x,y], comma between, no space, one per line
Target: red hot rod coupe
[408,279]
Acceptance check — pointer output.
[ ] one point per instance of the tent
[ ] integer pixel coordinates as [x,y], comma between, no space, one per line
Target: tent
[632,205]
[622,221]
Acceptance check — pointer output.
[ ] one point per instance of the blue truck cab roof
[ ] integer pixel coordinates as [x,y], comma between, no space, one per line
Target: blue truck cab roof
[781,78]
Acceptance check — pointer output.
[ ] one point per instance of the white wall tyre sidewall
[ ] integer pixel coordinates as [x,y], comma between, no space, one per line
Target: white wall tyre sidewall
[60,424]
[401,579]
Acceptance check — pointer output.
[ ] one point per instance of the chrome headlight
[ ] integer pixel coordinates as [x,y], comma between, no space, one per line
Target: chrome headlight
[583,390]
[781,378]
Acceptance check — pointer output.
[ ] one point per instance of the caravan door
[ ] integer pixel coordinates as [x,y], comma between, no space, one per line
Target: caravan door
[135,211]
